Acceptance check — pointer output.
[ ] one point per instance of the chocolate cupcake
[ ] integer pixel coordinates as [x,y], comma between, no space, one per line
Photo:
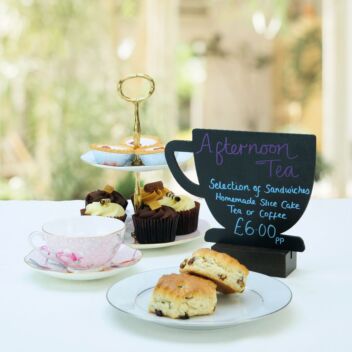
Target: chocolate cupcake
[155,226]
[106,202]
[107,193]
[188,210]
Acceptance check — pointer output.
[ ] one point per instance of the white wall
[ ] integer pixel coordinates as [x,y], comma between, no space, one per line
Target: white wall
[337,57]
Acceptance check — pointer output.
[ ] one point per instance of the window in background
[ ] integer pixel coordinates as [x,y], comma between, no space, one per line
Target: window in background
[236,64]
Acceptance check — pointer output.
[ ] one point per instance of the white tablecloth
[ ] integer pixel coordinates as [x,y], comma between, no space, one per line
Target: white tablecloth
[38,313]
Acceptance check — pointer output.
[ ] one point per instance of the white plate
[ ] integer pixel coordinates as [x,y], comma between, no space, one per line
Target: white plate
[124,259]
[263,296]
[88,158]
[203,226]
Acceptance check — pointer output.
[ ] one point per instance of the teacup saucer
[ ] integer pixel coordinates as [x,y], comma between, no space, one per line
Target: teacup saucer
[124,258]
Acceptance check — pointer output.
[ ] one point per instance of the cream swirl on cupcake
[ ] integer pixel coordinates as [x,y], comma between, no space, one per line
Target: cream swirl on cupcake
[178,203]
[105,208]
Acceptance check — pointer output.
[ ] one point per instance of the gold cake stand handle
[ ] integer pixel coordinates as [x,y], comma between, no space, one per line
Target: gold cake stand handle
[137,199]
[138,99]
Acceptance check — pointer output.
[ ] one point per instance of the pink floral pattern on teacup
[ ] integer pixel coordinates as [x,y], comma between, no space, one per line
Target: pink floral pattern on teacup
[81,254]
[79,251]
[69,258]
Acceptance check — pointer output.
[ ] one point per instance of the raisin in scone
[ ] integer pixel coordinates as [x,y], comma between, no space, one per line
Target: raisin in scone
[228,274]
[180,296]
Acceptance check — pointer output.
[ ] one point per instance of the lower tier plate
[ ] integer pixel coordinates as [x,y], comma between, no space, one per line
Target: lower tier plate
[263,296]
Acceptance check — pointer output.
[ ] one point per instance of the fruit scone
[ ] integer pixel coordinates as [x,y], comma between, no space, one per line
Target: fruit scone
[229,275]
[181,296]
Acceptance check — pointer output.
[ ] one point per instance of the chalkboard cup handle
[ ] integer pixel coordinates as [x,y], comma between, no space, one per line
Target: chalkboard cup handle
[184,182]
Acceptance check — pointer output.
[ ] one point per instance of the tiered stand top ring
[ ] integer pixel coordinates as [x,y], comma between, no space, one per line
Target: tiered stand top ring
[139,99]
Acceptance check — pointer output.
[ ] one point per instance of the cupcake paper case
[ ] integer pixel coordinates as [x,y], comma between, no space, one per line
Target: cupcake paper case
[188,210]
[188,221]
[155,226]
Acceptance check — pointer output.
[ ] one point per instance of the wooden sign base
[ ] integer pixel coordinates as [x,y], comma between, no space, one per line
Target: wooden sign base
[272,262]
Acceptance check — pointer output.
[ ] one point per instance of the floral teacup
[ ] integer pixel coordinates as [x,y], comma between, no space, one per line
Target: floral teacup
[82,242]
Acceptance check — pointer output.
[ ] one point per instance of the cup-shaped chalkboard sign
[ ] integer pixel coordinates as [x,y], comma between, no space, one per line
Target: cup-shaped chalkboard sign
[257,185]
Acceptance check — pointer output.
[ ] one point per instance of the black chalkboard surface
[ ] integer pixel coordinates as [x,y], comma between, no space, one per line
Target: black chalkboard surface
[257,185]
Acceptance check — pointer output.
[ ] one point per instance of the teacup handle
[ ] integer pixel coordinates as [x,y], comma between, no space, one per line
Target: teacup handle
[34,237]
[186,183]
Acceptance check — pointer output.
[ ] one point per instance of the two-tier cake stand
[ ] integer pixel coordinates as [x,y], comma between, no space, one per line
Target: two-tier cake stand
[136,166]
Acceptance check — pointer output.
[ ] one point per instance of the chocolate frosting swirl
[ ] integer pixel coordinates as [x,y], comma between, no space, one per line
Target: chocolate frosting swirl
[160,213]
[114,196]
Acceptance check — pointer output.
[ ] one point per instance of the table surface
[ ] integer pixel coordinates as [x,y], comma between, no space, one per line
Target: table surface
[39,313]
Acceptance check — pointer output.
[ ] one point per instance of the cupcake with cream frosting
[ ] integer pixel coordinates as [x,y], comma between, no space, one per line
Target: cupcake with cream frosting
[107,193]
[187,208]
[107,203]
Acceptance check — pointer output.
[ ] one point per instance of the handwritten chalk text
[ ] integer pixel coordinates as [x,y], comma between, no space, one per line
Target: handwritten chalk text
[221,148]
[232,186]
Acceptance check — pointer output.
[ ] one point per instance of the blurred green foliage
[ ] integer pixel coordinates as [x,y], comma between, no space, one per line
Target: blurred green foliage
[62,96]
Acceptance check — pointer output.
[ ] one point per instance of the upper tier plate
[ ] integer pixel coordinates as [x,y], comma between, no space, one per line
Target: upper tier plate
[88,158]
